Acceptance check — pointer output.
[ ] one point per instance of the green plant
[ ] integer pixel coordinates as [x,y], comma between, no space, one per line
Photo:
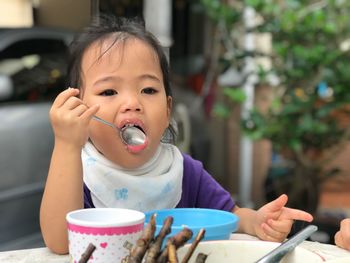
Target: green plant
[309,116]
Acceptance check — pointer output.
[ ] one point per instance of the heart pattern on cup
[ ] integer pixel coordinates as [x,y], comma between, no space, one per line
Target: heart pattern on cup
[103,245]
[109,247]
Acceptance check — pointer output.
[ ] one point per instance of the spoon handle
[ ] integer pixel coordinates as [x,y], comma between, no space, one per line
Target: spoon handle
[279,252]
[104,122]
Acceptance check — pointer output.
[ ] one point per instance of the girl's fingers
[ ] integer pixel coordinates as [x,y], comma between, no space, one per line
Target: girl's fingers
[345,226]
[68,101]
[277,204]
[296,214]
[68,106]
[64,96]
[273,234]
[338,240]
[72,103]
[90,112]
[282,226]
[80,109]
[342,237]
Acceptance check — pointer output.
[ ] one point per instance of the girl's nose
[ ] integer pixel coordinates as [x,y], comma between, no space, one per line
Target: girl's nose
[131,103]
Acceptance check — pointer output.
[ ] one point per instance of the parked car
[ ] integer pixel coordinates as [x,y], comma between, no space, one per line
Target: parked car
[33,65]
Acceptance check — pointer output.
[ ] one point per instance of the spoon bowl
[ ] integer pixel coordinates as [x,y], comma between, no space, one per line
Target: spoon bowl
[130,135]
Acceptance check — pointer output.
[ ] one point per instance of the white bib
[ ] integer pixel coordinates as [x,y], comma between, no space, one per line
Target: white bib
[155,185]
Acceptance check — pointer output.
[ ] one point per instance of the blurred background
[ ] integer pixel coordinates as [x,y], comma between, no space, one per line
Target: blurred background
[261,95]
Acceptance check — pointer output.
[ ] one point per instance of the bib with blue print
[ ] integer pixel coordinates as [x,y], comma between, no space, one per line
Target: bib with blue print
[155,185]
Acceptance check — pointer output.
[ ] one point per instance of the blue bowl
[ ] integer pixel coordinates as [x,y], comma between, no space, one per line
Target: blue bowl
[218,224]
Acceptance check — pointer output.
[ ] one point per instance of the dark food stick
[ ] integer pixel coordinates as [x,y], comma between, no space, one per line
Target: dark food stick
[138,251]
[178,240]
[87,254]
[155,247]
[193,246]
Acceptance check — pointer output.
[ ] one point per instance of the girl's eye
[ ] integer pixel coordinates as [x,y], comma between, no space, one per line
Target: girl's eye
[149,90]
[108,92]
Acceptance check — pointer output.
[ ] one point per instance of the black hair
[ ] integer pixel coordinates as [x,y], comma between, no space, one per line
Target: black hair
[102,27]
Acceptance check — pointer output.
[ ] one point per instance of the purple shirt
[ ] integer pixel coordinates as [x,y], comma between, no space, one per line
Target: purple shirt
[199,189]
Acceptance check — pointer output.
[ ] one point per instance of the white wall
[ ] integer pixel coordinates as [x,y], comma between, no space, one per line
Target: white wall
[16,13]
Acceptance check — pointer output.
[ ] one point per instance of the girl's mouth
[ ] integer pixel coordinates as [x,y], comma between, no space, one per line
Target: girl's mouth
[133,134]
[134,137]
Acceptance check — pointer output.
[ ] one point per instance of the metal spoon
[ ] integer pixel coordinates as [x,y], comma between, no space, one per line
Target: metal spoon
[279,252]
[130,135]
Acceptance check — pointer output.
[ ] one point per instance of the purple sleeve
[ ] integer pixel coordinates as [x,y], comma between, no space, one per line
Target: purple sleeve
[87,198]
[199,188]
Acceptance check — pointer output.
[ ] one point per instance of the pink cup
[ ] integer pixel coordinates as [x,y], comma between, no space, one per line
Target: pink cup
[113,231]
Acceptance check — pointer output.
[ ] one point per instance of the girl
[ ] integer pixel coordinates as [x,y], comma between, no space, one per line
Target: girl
[120,74]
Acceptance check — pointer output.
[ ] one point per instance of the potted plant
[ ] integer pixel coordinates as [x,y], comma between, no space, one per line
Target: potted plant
[308,119]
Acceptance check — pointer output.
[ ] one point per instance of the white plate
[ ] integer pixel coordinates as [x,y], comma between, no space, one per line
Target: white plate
[245,251]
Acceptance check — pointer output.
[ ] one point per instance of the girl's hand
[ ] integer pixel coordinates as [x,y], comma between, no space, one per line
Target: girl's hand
[274,221]
[70,118]
[342,237]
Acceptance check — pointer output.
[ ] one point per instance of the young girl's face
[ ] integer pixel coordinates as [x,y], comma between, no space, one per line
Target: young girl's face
[126,80]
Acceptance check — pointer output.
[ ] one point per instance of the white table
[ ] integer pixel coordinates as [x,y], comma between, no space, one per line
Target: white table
[43,255]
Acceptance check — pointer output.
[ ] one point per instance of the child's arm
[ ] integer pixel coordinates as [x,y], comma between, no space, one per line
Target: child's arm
[63,193]
[272,222]
[64,187]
